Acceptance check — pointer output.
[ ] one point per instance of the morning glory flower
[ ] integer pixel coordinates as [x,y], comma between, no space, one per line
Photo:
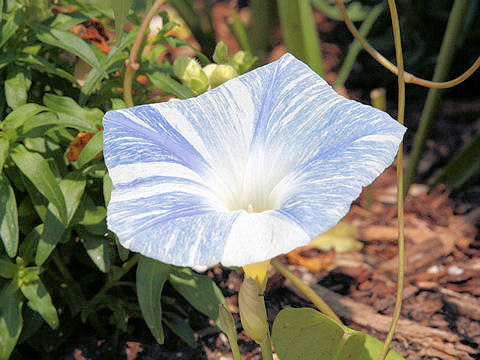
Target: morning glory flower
[249,170]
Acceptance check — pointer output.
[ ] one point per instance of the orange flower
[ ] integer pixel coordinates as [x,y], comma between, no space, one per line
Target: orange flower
[77,145]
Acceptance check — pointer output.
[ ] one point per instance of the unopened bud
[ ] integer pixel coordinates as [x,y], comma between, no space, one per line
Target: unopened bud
[226,321]
[242,61]
[253,315]
[198,84]
[185,67]
[190,72]
[209,69]
[221,74]
[220,53]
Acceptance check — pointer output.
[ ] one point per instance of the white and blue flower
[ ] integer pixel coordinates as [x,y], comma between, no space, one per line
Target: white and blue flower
[247,171]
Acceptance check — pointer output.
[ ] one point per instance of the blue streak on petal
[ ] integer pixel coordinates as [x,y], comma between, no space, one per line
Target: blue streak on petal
[164,135]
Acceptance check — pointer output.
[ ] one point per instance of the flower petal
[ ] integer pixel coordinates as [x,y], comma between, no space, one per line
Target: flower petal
[277,140]
[255,237]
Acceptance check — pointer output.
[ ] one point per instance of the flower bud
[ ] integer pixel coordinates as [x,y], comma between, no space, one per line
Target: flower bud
[242,61]
[190,72]
[220,53]
[258,272]
[185,67]
[209,69]
[226,321]
[198,84]
[221,74]
[253,315]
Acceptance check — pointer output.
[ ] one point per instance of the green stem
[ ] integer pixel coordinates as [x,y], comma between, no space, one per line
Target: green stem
[299,32]
[355,47]
[131,62]
[306,290]
[240,33]
[445,58]
[127,266]
[266,347]
[263,26]
[61,266]
[234,346]
[401,239]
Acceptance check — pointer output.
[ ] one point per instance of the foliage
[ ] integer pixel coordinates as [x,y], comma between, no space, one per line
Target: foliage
[60,268]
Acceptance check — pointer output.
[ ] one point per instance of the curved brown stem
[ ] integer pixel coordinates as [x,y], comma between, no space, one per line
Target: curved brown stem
[409,78]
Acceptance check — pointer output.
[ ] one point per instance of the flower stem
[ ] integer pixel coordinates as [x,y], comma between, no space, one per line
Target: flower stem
[306,290]
[409,78]
[401,239]
[131,63]
[266,347]
[355,47]
[234,347]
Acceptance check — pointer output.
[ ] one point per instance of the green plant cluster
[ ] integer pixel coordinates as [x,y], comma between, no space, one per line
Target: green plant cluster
[61,270]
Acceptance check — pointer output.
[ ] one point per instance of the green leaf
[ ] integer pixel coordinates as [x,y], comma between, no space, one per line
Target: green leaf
[94,77]
[7,269]
[8,217]
[69,42]
[42,65]
[72,190]
[180,327]
[341,238]
[18,117]
[91,214]
[169,85]
[200,291]
[29,244]
[11,322]
[66,105]
[40,301]
[92,149]
[6,59]
[65,22]
[309,335]
[17,85]
[306,334]
[12,22]
[98,250]
[118,104]
[37,170]
[122,252]
[107,188]
[39,124]
[372,348]
[120,11]
[463,166]
[4,149]
[151,276]
[54,229]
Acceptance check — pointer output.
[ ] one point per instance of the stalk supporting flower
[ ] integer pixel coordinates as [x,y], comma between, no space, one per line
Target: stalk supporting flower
[258,272]
[401,222]
[252,169]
